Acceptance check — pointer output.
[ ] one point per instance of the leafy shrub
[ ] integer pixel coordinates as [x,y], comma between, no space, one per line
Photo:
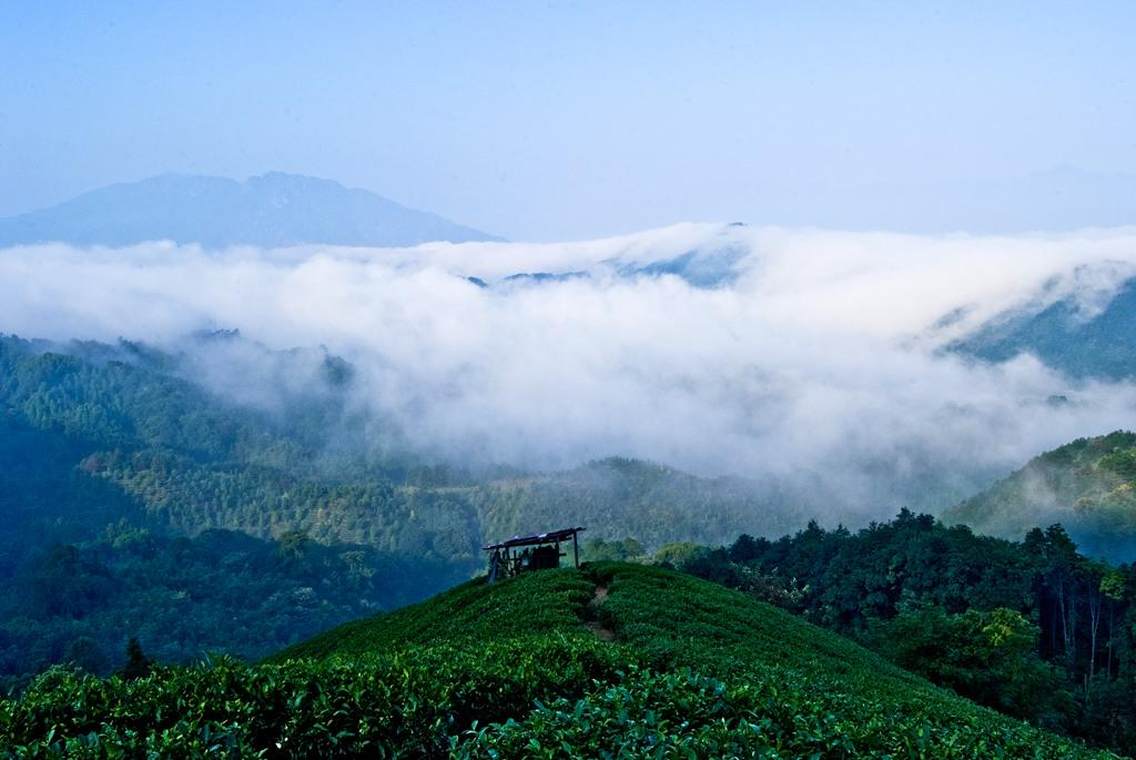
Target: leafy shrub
[989,657]
[510,670]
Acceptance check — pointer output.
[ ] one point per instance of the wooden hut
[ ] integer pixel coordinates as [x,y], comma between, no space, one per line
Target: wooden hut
[541,551]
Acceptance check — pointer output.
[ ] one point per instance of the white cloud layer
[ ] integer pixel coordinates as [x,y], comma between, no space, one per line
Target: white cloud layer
[765,352]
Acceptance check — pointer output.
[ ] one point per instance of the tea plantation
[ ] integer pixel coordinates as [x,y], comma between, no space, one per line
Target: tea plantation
[616,660]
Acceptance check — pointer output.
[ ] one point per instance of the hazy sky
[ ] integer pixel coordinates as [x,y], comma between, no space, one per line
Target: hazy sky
[568,120]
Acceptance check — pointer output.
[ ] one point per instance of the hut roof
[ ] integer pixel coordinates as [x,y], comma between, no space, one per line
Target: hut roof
[552,536]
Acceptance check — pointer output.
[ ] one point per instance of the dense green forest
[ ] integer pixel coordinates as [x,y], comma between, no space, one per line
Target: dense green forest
[1089,486]
[617,660]
[147,505]
[184,597]
[1032,628]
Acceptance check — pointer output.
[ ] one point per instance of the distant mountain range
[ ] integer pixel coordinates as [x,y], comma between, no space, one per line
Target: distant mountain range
[273,209]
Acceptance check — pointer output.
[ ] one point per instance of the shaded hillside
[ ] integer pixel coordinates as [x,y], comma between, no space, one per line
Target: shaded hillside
[190,459]
[184,597]
[1087,486]
[121,486]
[273,209]
[182,458]
[515,670]
[102,441]
[1066,337]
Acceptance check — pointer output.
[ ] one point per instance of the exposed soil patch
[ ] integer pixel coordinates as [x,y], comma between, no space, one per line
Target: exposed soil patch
[599,629]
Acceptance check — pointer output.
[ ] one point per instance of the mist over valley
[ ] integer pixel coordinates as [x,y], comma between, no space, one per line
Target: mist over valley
[581,380]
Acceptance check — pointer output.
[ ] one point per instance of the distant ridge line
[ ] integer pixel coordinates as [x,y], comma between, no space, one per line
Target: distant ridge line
[268,210]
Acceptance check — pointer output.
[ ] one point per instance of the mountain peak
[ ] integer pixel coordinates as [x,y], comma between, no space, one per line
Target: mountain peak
[271,209]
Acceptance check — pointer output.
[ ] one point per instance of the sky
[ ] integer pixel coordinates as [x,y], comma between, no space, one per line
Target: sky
[559,121]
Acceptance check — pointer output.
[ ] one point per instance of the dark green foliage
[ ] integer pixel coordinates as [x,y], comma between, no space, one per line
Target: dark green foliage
[990,657]
[1033,628]
[474,611]
[187,459]
[137,663]
[121,483]
[219,591]
[404,704]
[510,671]
[600,550]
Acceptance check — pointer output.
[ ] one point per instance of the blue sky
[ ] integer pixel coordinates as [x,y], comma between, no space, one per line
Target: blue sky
[568,120]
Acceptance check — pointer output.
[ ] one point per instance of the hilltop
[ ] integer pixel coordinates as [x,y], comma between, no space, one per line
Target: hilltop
[1088,485]
[615,660]
[269,210]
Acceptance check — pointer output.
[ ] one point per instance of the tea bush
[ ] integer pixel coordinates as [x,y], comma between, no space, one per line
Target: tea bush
[511,670]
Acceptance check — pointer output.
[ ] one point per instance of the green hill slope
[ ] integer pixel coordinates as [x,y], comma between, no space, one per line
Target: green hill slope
[1089,486]
[614,661]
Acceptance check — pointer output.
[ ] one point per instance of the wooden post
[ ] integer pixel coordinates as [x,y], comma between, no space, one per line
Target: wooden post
[575,551]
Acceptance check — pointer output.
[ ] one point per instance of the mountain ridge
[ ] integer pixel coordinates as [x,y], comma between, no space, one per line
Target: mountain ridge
[274,209]
[1082,341]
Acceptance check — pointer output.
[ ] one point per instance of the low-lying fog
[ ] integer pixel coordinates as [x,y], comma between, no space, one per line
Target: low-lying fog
[714,348]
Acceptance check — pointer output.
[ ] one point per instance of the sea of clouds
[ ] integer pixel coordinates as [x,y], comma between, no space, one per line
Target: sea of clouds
[805,355]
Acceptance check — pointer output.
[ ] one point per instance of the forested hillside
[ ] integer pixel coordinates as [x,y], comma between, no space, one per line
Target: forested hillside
[183,597]
[616,659]
[1089,486]
[126,481]
[618,497]
[1032,628]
